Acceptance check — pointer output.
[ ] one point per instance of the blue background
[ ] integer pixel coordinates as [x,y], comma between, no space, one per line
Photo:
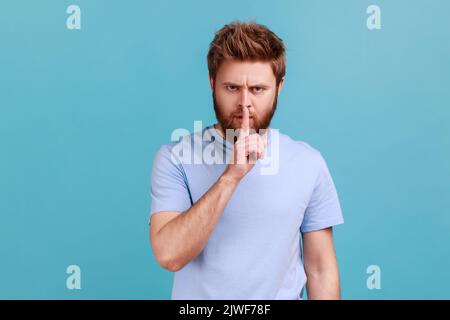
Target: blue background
[84,111]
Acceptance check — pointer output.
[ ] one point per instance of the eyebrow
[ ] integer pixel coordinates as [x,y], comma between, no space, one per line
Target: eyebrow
[262,85]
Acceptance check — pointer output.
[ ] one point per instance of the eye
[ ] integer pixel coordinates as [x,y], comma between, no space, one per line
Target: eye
[258,89]
[231,88]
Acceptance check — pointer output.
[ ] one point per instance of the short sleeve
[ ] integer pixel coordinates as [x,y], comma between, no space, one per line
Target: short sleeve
[324,209]
[169,190]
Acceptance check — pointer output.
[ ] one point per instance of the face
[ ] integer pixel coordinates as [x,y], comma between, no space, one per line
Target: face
[240,84]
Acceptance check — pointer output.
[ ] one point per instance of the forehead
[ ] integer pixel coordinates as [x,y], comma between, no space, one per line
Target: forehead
[245,71]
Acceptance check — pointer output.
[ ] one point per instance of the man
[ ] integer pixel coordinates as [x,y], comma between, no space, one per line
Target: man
[227,230]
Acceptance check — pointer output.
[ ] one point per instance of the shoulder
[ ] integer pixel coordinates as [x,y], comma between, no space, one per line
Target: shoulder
[299,148]
[180,150]
[164,151]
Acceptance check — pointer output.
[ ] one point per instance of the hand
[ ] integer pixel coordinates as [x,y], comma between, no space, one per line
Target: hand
[247,150]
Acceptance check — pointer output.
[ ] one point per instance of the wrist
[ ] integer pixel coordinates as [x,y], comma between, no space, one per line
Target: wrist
[229,178]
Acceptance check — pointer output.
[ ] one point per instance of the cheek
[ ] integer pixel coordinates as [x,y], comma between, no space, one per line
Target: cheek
[225,100]
[264,103]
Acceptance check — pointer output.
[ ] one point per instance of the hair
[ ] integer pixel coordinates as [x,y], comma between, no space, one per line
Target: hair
[247,41]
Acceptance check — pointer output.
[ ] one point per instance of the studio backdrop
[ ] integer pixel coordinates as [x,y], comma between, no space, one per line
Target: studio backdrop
[89,91]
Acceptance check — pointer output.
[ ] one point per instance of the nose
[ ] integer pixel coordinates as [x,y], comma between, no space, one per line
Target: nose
[244,100]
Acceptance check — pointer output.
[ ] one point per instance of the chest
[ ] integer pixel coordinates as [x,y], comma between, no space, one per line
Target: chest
[265,200]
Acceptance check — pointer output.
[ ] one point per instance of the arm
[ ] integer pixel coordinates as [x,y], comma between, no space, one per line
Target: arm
[178,238]
[321,265]
[182,238]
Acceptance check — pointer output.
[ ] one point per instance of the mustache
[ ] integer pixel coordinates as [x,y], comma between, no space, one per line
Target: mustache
[250,114]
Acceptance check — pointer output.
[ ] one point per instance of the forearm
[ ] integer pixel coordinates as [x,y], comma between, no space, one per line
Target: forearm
[185,236]
[323,284]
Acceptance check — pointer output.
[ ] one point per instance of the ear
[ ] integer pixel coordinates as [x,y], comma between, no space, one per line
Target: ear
[211,82]
[280,85]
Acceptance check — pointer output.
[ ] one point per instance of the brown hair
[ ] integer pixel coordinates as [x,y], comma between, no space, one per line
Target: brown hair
[247,41]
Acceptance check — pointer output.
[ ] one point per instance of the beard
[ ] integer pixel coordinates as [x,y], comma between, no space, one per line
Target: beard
[260,122]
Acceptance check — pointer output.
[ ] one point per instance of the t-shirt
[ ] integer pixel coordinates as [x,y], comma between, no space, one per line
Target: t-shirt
[254,252]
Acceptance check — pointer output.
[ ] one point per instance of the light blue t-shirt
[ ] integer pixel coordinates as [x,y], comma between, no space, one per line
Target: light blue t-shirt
[254,252]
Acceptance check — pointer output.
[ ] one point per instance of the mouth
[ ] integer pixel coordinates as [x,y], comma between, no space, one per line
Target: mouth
[239,120]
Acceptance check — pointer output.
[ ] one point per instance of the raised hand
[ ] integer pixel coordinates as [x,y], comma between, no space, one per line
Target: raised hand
[248,148]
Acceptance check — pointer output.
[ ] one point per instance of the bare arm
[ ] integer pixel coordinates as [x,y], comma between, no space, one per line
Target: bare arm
[321,265]
[184,236]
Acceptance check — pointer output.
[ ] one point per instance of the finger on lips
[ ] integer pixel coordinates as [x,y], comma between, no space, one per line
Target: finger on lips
[249,145]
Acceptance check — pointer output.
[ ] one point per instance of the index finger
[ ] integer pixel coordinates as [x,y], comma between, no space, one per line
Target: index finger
[245,126]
